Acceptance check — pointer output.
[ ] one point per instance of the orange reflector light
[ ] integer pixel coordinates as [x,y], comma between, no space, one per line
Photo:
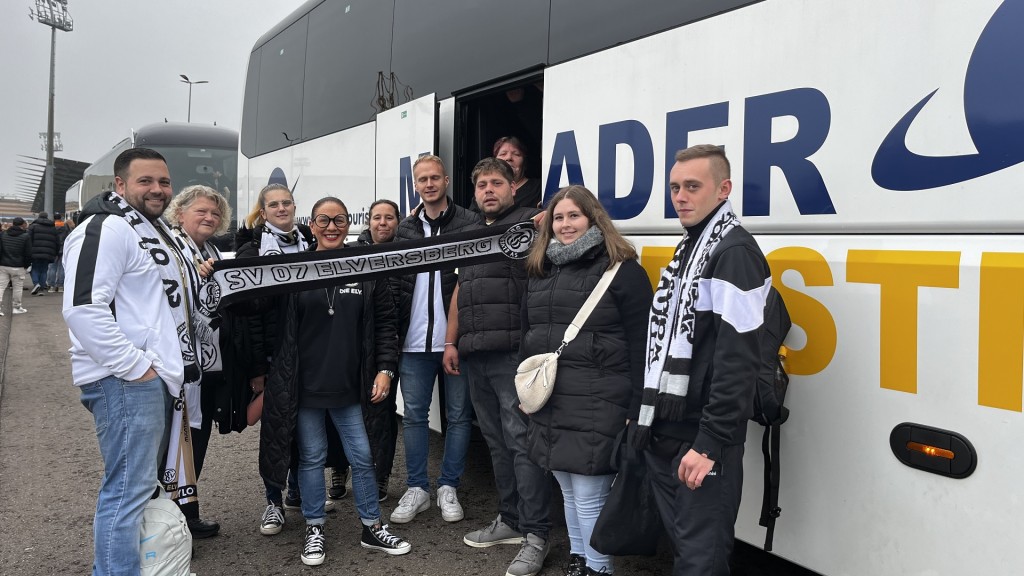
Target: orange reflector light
[930,450]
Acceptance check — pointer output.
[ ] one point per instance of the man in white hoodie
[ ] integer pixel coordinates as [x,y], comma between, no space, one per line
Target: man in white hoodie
[125,353]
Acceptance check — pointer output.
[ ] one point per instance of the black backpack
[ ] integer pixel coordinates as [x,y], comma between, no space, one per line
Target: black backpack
[769,408]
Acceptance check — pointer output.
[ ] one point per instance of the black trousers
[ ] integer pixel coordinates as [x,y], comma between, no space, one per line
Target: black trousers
[701,523]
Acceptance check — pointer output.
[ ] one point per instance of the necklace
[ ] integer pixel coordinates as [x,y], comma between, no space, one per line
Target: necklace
[330,300]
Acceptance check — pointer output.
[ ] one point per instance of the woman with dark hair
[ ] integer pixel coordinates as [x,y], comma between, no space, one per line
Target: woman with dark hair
[382,417]
[513,151]
[270,228]
[600,373]
[355,326]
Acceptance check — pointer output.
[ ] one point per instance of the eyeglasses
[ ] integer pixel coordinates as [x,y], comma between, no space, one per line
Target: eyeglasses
[282,203]
[323,220]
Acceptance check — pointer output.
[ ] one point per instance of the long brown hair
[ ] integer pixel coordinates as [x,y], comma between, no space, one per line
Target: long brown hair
[619,249]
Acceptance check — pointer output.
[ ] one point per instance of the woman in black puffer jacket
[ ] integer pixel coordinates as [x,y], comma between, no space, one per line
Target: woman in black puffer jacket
[600,373]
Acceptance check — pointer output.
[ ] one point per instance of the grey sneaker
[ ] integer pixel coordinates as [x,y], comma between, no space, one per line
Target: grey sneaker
[530,559]
[448,502]
[497,532]
[19,310]
[414,501]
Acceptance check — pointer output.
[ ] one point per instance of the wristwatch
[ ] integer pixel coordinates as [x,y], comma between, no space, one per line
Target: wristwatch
[388,372]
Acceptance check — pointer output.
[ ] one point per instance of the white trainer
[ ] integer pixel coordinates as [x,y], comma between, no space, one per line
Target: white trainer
[414,501]
[448,502]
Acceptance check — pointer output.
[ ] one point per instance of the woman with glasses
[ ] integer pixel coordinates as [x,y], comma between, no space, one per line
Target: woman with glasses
[270,228]
[355,325]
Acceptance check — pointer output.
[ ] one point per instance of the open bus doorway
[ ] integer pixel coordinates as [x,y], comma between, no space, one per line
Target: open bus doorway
[489,113]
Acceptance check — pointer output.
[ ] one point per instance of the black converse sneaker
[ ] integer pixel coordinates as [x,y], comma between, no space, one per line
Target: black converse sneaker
[313,548]
[378,538]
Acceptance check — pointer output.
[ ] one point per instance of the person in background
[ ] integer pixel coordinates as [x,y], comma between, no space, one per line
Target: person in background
[600,373]
[426,300]
[343,344]
[197,214]
[703,357]
[15,257]
[485,327]
[513,151]
[382,417]
[46,244]
[55,270]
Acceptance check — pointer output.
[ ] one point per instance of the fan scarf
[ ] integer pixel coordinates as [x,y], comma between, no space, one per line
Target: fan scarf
[241,278]
[177,475]
[670,334]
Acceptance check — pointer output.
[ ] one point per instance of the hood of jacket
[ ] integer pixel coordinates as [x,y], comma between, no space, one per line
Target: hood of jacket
[99,205]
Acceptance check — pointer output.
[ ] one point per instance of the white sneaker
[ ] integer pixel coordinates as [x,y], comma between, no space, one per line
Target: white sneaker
[414,501]
[448,502]
[328,505]
[19,310]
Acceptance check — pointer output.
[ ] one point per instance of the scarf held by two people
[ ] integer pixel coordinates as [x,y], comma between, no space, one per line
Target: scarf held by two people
[670,333]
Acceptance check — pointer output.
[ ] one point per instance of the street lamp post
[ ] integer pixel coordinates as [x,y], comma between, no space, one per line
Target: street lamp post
[52,13]
[190,83]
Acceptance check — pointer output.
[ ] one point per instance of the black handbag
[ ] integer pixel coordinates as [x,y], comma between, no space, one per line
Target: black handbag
[629,524]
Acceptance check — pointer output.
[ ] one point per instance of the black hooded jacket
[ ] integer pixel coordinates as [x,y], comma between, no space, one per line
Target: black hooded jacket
[46,240]
[15,248]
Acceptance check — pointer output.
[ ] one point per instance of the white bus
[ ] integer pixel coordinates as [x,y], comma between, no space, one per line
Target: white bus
[876,149]
[195,153]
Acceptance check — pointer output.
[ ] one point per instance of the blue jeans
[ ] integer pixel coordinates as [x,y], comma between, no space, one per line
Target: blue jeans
[524,489]
[312,431]
[55,274]
[584,498]
[132,420]
[417,371]
[39,268]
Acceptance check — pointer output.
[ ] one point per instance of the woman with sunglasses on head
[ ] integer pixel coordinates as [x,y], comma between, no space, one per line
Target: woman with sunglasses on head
[355,325]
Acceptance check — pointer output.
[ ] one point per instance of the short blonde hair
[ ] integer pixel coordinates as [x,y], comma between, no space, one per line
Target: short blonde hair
[190,194]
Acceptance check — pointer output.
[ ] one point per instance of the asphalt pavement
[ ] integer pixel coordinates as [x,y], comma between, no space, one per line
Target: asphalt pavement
[50,470]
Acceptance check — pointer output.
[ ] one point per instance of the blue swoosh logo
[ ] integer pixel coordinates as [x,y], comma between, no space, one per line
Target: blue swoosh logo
[993,108]
[146,539]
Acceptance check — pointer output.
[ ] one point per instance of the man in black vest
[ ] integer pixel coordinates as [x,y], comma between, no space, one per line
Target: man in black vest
[485,332]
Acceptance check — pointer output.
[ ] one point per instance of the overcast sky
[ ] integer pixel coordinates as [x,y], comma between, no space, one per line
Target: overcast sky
[119,69]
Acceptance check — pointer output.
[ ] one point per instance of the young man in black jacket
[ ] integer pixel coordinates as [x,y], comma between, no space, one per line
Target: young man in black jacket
[703,356]
[424,323]
[15,256]
[484,327]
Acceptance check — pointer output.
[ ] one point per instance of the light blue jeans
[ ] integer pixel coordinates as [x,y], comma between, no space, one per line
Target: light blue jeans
[132,420]
[584,498]
[55,274]
[418,371]
[312,430]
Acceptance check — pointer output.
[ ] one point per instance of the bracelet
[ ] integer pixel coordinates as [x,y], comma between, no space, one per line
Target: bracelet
[389,373]
[449,343]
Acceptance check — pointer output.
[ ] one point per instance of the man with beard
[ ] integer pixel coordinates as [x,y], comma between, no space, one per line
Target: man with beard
[124,308]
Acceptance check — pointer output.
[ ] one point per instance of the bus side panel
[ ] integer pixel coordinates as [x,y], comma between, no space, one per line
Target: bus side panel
[339,164]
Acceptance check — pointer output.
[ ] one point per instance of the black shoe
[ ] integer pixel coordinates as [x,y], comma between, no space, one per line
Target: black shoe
[382,489]
[292,503]
[379,538]
[577,566]
[202,528]
[338,490]
[36,290]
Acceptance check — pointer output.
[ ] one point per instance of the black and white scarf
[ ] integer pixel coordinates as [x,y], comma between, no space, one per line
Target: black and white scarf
[208,336]
[177,475]
[670,333]
[276,241]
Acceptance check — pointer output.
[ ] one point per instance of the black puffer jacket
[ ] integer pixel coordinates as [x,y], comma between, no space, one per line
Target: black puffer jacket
[454,219]
[491,298]
[379,337]
[394,282]
[46,241]
[15,248]
[600,373]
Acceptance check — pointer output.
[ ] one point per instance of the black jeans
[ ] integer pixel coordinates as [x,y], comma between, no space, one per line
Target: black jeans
[524,489]
[701,523]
